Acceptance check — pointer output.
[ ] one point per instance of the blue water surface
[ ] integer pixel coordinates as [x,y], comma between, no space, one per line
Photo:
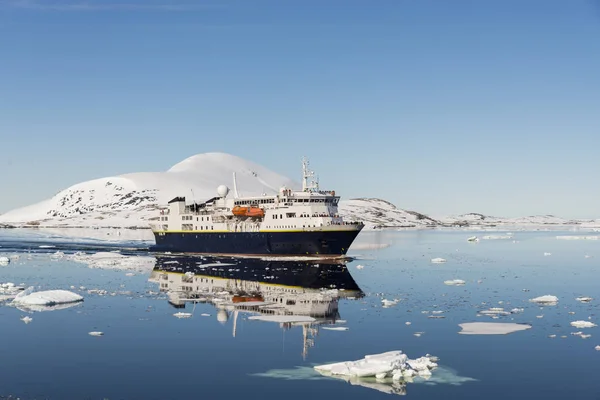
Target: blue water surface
[147,353]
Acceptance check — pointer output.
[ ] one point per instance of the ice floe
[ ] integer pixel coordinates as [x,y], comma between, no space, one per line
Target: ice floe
[491,328]
[4,261]
[438,260]
[115,261]
[385,303]
[497,237]
[392,364]
[28,297]
[454,282]
[577,237]
[473,239]
[336,328]
[182,315]
[26,319]
[584,299]
[546,300]
[96,333]
[582,324]
[597,348]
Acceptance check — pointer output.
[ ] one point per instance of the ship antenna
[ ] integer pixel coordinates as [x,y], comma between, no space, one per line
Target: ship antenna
[235,191]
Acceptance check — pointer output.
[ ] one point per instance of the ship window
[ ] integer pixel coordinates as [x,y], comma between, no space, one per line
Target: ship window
[280,216]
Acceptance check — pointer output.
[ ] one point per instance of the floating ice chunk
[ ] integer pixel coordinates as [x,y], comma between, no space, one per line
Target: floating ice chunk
[408,323]
[438,260]
[491,328]
[578,237]
[547,299]
[335,328]
[584,299]
[26,319]
[494,311]
[95,333]
[454,282]
[517,310]
[282,318]
[597,348]
[130,274]
[4,261]
[582,324]
[205,315]
[382,365]
[46,298]
[473,239]
[389,303]
[497,237]
[547,254]
[182,315]
[360,266]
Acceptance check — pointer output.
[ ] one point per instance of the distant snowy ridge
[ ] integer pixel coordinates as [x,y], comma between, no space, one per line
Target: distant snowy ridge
[480,220]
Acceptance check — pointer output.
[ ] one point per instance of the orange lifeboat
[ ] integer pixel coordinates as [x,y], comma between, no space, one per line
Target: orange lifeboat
[248,212]
[244,299]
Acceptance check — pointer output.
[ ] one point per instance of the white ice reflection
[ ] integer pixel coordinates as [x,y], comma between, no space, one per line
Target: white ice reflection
[441,376]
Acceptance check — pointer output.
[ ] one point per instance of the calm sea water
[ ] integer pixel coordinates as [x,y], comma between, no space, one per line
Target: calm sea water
[148,353]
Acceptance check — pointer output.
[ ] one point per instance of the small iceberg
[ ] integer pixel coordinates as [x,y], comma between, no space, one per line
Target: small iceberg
[182,315]
[95,333]
[26,319]
[473,239]
[4,261]
[392,364]
[385,303]
[336,328]
[584,299]
[46,297]
[438,260]
[583,324]
[454,282]
[546,300]
[491,328]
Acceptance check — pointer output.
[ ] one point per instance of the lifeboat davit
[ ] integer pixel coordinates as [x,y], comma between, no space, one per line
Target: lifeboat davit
[248,211]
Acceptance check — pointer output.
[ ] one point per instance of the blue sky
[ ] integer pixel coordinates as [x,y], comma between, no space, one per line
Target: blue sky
[442,107]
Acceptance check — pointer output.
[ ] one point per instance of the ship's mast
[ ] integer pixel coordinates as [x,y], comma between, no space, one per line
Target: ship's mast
[307,186]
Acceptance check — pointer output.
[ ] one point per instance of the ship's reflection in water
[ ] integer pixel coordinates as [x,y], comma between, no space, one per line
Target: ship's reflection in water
[292,293]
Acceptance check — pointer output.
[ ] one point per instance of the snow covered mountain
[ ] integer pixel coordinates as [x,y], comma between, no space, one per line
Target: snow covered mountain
[131,200]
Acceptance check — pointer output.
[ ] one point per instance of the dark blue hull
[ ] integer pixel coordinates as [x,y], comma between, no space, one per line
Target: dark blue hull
[322,243]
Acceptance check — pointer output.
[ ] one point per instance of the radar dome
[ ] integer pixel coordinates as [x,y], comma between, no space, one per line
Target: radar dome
[222,190]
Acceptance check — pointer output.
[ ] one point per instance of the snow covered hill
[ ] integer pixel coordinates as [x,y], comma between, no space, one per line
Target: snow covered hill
[381,213]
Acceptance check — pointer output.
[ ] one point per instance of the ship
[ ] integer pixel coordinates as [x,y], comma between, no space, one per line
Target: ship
[293,293]
[289,223]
